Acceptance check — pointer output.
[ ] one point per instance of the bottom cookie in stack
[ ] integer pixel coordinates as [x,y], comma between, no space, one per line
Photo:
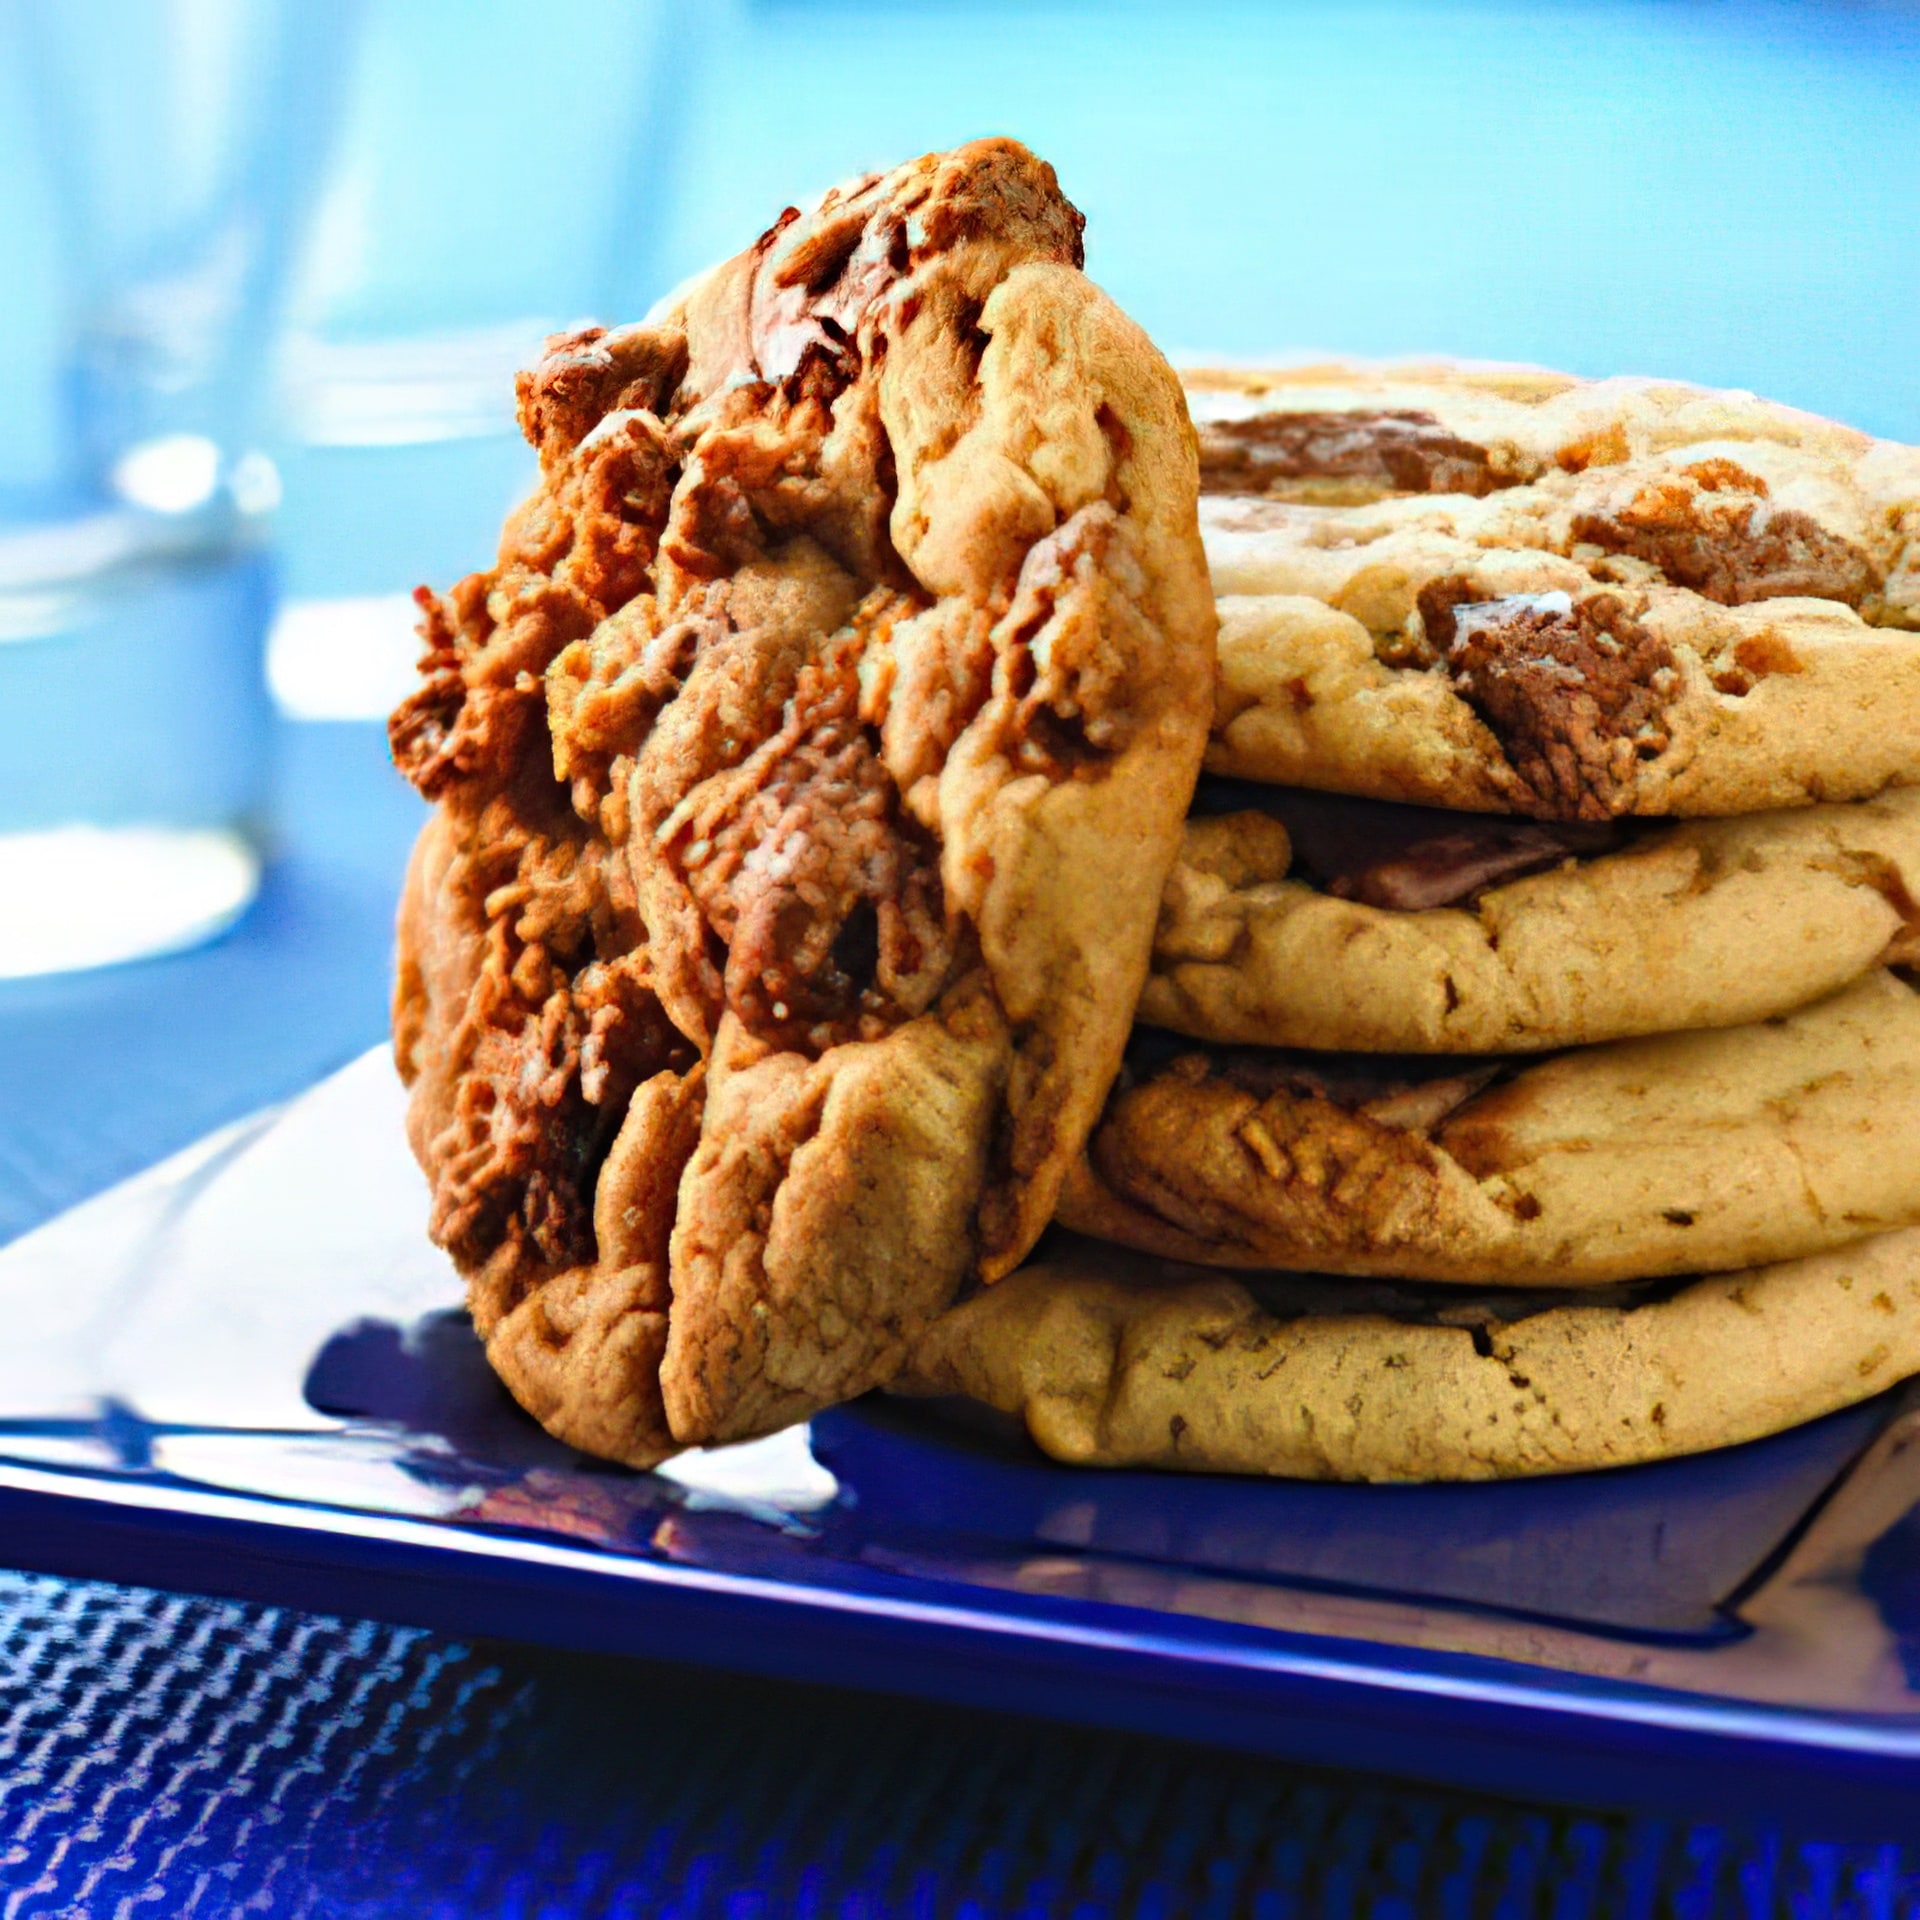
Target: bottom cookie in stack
[1619,1253]
[1118,1359]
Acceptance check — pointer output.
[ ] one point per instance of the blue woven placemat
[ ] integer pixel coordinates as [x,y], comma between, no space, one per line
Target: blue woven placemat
[177,1756]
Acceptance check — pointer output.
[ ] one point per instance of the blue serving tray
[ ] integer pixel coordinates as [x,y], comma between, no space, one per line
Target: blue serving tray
[247,1373]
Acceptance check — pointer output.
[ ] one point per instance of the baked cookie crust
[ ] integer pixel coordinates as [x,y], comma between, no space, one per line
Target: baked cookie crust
[1684,1153]
[1115,1360]
[1710,923]
[808,770]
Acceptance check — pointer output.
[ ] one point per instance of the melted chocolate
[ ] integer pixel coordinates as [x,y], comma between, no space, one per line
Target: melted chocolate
[1397,451]
[1407,858]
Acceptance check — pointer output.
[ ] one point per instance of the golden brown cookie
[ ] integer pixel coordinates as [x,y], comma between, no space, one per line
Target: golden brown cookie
[1570,600]
[1116,1360]
[808,770]
[1382,929]
[1687,1153]
[1430,670]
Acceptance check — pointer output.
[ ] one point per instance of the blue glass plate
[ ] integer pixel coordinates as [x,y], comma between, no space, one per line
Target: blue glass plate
[248,1373]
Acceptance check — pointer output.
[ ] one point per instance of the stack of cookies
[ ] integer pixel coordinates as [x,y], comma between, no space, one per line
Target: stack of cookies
[812,775]
[1536,971]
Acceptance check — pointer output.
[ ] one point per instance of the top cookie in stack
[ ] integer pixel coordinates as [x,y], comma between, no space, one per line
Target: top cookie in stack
[1574,601]
[1618,684]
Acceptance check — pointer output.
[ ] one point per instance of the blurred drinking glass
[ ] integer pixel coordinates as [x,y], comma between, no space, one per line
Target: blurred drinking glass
[182,140]
[501,173]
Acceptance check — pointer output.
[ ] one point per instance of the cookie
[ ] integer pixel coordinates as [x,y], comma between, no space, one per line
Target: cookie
[1345,436]
[1506,590]
[1419,666]
[1114,1360]
[1296,919]
[1685,1153]
[808,769]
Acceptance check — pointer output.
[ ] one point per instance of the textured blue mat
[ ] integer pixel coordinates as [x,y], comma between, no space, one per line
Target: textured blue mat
[189,1757]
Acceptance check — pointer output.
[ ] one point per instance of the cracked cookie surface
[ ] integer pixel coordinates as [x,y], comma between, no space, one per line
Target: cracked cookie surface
[1682,1153]
[1569,600]
[1113,1359]
[808,767]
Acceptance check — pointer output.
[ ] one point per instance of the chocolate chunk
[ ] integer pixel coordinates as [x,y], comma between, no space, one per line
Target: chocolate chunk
[1406,858]
[825,891]
[1712,528]
[1454,867]
[1398,452]
[809,299]
[810,284]
[1575,691]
